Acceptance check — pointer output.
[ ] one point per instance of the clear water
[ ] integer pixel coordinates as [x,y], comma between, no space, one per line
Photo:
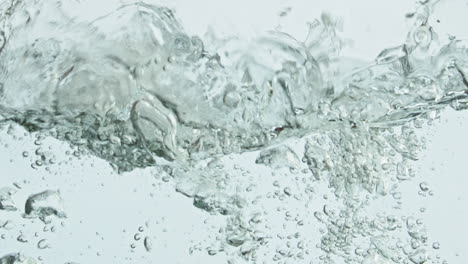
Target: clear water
[135,89]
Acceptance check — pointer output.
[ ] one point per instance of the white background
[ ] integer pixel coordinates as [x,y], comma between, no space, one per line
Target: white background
[101,204]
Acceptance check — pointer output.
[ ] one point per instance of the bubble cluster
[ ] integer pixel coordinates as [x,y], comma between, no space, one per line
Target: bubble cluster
[17,258]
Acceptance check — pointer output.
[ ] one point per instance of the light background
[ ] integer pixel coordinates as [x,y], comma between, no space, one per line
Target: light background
[101,204]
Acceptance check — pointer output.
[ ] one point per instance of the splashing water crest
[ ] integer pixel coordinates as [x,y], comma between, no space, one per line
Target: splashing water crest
[132,87]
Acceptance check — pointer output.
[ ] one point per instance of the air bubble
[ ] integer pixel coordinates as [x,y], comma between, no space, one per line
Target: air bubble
[43,244]
[424,186]
[45,204]
[148,244]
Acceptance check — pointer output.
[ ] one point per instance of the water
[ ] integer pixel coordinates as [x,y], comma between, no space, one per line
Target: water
[16,259]
[134,88]
[44,204]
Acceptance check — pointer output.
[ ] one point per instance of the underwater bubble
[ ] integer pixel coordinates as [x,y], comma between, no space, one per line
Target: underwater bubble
[45,204]
[147,242]
[43,244]
[419,257]
[17,258]
[22,239]
[278,157]
[232,98]
[376,258]
[424,186]
[8,225]
[5,199]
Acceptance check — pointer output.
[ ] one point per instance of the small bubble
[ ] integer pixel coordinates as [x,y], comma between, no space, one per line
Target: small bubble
[137,237]
[166,178]
[22,239]
[424,186]
[8,225]
[397,195]
[42,244]
[232,99]
[148,244]
[45,204]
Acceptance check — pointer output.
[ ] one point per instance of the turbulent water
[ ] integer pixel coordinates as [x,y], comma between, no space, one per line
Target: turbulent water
[132,87]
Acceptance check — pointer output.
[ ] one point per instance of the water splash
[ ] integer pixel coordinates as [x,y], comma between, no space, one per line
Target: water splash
[16,259]
[135,89]
[159,93]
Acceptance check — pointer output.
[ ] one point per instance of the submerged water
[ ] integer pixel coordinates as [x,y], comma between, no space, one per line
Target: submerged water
[133,88]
